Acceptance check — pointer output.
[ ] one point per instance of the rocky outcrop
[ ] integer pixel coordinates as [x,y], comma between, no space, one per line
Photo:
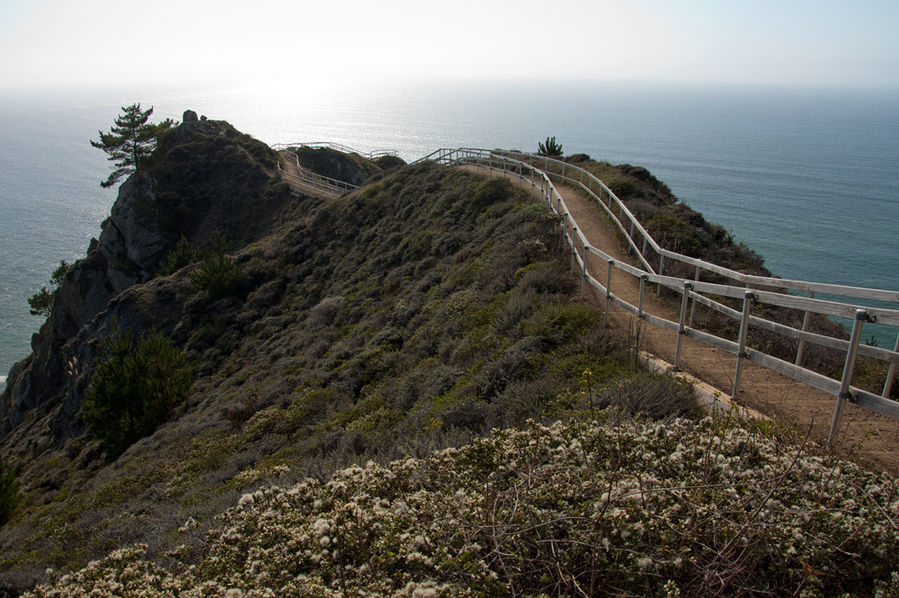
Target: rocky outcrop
[204,176]
[127,252]
[328,162]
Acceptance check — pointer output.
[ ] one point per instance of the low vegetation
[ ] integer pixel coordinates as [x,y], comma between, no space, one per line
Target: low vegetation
[9,492]
[218,274]
[607,508]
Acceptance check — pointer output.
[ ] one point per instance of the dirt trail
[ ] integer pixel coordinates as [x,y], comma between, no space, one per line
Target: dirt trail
[290,172]
[868,436]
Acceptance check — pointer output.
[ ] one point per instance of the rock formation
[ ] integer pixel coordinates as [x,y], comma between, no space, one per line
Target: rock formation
[205,176]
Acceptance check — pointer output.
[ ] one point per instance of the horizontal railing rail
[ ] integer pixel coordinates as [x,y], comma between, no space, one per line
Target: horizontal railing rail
[596,188]
[695,291]
[336,146]
[323,183]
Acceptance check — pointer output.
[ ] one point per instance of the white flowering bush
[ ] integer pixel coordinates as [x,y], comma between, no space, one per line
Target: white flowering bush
[703,508]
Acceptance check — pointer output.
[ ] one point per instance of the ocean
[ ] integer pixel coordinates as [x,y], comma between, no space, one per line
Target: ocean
[808,178]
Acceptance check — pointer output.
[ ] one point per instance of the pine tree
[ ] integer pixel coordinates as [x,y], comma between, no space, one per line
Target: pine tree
[130,141]
[41,304]
[137,386]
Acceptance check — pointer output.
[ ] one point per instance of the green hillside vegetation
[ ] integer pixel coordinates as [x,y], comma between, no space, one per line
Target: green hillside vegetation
[373,410]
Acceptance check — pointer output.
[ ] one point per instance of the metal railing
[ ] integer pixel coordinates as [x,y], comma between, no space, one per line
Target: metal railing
[749,289]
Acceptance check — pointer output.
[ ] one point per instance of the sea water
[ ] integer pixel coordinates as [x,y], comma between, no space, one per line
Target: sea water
[809,178]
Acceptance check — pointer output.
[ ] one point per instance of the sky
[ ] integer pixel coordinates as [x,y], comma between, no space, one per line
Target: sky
[92,43]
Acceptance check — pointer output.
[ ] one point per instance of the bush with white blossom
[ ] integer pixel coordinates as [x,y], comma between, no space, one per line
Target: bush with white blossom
[703,508]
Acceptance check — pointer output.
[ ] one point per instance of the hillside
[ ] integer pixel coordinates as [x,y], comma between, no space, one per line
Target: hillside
[416,314]
[608,508]
[677,227]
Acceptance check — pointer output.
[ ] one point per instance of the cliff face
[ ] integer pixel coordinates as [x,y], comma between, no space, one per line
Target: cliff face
[204,177]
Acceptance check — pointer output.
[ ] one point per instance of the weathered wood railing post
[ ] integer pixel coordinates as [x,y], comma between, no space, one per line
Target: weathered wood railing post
[608,293]
[661,271]
[583,271]
[888,383]
[748,299]
[805,322]
[693,304]
[861,316]
[573,248]
[681,327]
[643,279]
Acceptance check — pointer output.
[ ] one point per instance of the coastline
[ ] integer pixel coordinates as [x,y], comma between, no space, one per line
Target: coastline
[756,161]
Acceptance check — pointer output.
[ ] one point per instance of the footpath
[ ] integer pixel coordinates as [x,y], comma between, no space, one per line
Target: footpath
[865,435]
[869,437]
[290,172]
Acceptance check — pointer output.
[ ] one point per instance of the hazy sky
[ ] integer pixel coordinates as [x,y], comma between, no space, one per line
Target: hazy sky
[192,42]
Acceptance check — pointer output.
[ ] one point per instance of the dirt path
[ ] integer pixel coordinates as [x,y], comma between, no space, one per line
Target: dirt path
[868,436]
[290,172]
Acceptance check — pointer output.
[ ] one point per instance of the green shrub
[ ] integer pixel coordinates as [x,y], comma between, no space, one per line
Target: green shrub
[218,275]
[181,255]
[655,397]
[134,389]
[490,191]
[9,492]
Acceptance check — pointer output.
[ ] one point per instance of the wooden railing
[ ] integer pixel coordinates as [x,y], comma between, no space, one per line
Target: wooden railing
[336,146]
[328,186]
[541,171]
